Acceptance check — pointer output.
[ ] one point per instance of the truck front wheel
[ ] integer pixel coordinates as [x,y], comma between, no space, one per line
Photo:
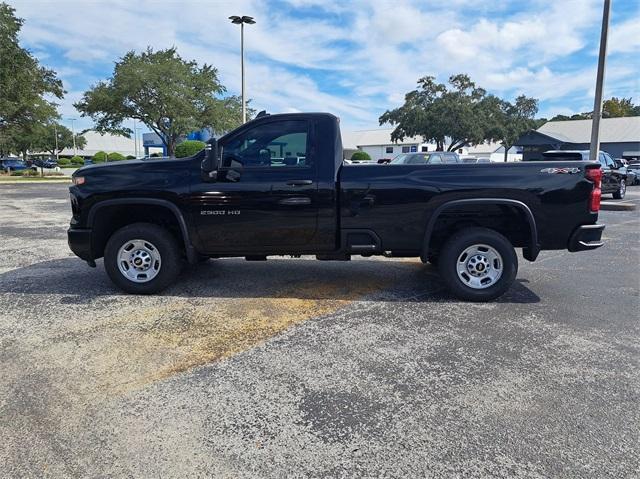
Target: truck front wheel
[478,264]
[142,258]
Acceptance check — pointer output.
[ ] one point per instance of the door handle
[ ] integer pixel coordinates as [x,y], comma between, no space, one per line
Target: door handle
[299,182]
[295,201]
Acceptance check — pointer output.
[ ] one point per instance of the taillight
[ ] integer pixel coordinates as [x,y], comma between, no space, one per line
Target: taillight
[595,175]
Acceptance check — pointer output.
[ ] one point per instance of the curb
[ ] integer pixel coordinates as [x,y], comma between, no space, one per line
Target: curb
[611,206]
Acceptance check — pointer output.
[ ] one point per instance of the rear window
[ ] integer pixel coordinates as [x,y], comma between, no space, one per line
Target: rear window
[561,155]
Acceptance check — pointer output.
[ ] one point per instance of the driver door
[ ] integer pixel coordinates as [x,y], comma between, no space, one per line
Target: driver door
[265,197]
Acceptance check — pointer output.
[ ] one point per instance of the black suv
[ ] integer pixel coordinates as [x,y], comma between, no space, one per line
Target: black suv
[614,178]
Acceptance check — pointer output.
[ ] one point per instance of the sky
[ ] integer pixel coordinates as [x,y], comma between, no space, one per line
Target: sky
[355,59]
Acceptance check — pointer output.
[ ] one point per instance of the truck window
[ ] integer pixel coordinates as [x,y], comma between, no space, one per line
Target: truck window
[610,162]
[602,160]
[435,159]
[450,158]
[418,159]
[277,145]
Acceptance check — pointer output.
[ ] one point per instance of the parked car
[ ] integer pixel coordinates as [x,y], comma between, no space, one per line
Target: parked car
[426,158]
[623,167]
[47,163]
[614,179]
[635,168]
[240,197]
[473,160]
[12,164]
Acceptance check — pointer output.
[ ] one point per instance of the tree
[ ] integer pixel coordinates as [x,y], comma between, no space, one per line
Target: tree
[576,116]
[100,157]
[189,148]
[517,118]
[612,108]
[115,156]
[47,138]
[24,84]
[168,94]
[617,107]
[360,156]
[462,113]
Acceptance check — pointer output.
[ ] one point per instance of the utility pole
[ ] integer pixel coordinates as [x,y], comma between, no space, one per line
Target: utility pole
[73,132]
[55,132]
[597,104]
[135,138]
[241,21]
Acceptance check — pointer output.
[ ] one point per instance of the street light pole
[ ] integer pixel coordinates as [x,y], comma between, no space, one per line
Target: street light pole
[135,138]
[73,132]
[241,21]
[597,103]
[244,104]
[55,132]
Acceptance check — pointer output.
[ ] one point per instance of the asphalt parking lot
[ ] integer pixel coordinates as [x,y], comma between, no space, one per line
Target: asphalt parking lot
[314,369]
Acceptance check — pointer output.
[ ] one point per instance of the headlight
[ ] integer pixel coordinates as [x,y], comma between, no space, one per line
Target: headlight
[78,180]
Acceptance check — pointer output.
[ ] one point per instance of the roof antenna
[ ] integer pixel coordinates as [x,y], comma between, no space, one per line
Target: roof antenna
[262,113]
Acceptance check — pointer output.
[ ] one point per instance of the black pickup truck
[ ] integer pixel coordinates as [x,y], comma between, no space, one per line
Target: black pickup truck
[278,185]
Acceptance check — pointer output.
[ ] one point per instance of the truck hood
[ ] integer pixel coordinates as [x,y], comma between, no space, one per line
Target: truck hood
[128,175]
[97,167]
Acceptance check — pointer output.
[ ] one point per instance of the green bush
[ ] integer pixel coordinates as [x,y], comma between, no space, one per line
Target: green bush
[63,162]
[77,161]
[27,172]
[360,156]
[131,157]
[189,148]
[100,157]
[116,157]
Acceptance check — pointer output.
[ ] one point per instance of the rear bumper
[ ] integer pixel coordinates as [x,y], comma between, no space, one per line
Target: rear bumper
[79,240]
[586,237]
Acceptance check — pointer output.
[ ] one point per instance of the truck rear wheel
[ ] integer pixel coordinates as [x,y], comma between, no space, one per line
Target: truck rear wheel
[142,258]
[478,264]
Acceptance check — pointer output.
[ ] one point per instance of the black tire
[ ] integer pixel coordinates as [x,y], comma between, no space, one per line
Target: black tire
[169,251]
[622,190]
[455,246]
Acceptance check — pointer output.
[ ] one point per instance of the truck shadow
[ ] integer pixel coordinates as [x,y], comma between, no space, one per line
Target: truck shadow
[377,280]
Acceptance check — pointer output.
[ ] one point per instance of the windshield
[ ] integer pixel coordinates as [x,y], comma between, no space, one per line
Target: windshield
[410,159]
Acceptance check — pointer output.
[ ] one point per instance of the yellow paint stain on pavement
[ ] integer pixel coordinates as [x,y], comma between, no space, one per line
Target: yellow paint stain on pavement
[152,343]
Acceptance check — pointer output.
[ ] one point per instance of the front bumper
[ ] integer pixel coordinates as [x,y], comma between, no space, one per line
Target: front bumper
[586,237]
[79,240]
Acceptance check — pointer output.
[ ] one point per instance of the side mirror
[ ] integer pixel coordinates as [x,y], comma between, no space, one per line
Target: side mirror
[210,162]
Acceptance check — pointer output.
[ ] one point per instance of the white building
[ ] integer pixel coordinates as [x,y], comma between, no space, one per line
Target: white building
[377,143]
[494,152]
[107,143]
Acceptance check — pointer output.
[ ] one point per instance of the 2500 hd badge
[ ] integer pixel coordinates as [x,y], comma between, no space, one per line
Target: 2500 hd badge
[219,212]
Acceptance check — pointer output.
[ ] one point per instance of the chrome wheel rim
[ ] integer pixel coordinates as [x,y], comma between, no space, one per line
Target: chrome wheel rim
[623,187]
[479,266]
[139,261]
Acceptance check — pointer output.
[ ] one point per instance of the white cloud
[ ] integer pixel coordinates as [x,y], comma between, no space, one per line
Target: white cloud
[354,58]
[625,38]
